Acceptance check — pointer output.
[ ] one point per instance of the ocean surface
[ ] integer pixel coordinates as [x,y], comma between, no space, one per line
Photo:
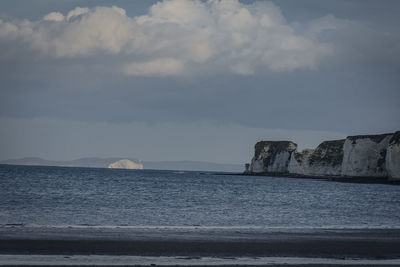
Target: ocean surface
[59,196]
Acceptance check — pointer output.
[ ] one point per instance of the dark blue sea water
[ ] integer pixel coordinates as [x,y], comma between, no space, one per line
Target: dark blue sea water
[83,196]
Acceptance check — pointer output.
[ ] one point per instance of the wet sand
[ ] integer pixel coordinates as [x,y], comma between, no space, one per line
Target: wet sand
[201,242]
[284,248]
[79,260]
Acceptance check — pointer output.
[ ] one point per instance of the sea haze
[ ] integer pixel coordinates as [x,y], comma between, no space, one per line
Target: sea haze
[59,196]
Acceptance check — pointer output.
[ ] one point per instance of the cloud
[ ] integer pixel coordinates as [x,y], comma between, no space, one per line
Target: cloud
[76,12]
[54,16]
[205,37]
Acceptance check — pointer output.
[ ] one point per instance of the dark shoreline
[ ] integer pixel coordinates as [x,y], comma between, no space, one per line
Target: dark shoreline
[200,242]
[341,179]
[363,249]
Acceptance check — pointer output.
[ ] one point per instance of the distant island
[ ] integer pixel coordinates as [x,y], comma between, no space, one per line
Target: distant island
[129,163]
[112,163]
[361,156]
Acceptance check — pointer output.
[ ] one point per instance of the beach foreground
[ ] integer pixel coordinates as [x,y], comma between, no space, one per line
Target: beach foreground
[82,245]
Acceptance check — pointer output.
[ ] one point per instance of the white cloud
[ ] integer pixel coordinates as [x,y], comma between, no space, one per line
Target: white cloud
[54,16]
[101,29]
[77,12]
[202,36]
[7,30]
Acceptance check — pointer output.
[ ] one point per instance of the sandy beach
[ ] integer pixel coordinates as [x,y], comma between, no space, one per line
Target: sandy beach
[375,246]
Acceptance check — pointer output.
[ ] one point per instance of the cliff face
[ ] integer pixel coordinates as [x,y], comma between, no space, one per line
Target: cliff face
[272,156]
[393,157]
[299,162]
[365,155]
[326,159]
[362,156]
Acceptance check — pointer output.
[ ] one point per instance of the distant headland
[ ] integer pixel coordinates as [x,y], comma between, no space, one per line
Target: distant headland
[129,163]
[356,157]
[94,162]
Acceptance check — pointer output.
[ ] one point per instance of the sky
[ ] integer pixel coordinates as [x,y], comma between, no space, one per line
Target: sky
[193,80]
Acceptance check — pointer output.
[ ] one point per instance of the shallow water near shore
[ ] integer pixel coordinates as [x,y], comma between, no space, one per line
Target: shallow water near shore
[184,261]
[57,196]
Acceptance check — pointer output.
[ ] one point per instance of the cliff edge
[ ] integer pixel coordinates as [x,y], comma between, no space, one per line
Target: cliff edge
[375,156]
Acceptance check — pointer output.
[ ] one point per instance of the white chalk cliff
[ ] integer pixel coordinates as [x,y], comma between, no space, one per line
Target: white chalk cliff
[393,157]
[355,156]
[126,164]
[365,155]
[272,156]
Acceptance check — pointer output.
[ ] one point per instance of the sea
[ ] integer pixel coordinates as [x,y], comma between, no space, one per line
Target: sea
[64,196]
